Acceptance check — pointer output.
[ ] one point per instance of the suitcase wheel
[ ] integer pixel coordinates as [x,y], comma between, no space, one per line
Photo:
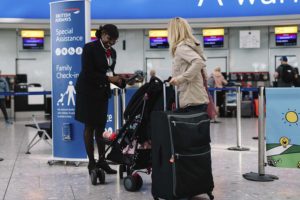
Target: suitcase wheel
[101,176]
[133,182]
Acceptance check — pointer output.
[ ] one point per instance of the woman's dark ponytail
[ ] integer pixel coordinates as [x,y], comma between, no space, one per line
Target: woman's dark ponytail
[98,32]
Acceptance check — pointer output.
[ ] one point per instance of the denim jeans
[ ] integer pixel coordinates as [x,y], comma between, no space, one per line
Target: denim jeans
[3,108]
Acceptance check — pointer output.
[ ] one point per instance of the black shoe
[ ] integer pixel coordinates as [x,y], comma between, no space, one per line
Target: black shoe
[103,165]
[91,166]
[94,176]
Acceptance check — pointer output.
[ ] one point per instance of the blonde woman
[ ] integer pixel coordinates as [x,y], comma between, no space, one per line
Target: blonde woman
[220,81]
[189,69]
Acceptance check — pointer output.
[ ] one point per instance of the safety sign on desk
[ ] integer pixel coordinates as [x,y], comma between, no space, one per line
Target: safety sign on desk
[283,127]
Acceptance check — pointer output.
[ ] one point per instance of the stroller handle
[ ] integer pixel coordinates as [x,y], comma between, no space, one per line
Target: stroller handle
[137,74]
[167,80]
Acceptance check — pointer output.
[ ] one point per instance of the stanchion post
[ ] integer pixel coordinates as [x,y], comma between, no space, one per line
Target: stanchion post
[176,97]
[123,93]
[261,176]
[215,97]
[261,135]
[12,106]
[116,109]
[238,123]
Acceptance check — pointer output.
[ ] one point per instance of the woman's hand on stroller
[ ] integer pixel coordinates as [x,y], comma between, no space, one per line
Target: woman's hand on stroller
[174,81]
[114,79]
[118,81]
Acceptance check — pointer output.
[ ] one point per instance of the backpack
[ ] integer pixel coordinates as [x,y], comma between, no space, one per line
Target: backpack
[288,74]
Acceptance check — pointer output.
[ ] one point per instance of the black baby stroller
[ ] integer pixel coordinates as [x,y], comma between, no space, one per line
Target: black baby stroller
[132,146]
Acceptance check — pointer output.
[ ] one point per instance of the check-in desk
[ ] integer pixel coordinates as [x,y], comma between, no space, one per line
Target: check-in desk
[29,102]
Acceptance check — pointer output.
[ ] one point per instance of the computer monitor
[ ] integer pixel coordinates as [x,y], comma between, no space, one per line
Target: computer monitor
[21,78]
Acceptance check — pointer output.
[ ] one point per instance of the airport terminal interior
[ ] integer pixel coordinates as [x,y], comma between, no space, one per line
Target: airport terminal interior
[255,134]
[24,176]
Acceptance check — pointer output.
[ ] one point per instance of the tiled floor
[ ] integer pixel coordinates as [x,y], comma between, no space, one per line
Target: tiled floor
[29,177]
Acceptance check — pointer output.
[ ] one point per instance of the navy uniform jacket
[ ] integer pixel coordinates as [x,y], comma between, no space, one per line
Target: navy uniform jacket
[92,87]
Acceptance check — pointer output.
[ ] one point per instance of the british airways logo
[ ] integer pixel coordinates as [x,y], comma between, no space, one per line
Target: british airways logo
[252,2]
[74,10]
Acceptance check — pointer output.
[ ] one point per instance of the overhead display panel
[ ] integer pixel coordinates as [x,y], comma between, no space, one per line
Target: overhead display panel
[158,39]
[93,35]
[159,9]
[213,38]
[286,36]
[33,39]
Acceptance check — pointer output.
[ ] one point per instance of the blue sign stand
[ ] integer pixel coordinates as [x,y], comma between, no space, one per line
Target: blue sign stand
[110,127]
[70,30]
[129,93]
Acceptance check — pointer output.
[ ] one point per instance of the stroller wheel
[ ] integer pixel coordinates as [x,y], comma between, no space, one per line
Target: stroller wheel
[139,181]
[122,169]
[101,176]
[130,183]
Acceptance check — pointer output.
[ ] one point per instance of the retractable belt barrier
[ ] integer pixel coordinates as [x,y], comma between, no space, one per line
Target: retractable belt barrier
[234,89]
[238,91]
[12,94]
[24,93]
[260,176]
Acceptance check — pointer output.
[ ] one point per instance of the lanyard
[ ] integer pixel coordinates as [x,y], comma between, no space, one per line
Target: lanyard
[107,53]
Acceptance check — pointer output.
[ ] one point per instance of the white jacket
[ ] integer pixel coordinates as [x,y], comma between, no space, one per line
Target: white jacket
[188,62]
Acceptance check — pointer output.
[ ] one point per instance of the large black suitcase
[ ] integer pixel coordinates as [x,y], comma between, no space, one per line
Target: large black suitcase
[181,155]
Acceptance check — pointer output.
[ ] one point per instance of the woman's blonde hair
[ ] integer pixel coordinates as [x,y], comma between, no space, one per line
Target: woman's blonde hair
[179,30]
[217,69]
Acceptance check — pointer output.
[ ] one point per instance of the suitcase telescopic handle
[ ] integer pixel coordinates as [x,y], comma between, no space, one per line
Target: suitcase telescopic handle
[165,85]
[176,97]
[165,95]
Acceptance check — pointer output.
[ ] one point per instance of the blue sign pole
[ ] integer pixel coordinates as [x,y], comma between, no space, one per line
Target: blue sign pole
[70,30]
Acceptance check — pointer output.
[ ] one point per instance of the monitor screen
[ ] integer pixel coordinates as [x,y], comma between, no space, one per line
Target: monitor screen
[286,39]
[33,43]
[159,42]
[214,41]
[93,35]
[93,39]
[21,78]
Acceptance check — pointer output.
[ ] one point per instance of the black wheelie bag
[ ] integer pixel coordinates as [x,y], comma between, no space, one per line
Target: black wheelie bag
[181,154]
